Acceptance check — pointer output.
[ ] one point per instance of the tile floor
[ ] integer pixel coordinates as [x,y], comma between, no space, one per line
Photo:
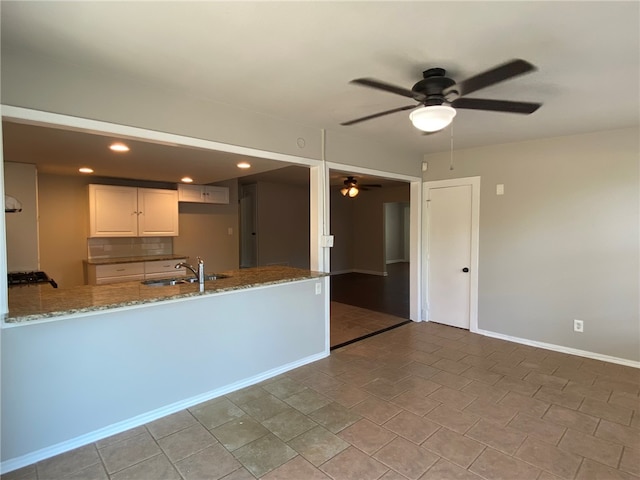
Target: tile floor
[349,322]
[422,401]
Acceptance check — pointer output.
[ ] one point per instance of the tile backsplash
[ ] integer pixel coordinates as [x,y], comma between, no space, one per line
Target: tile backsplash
[128,247]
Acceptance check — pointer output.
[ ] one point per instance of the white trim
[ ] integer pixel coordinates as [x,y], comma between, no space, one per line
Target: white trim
[371,171]
[561,349]
[475,244]
[341,272]
[416,279]
[370,272]
[38,455]
[399,260]
[357,270]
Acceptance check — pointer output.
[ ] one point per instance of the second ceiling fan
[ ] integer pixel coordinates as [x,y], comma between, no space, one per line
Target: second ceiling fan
[351,187]
[439,96]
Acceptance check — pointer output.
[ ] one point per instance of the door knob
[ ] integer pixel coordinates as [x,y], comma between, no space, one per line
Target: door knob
[465,269]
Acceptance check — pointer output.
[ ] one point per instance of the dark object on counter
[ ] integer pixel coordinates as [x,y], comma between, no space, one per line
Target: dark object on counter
[29,278]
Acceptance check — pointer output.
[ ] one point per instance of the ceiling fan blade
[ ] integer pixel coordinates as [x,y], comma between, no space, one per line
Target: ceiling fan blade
[372,185]
[490,77]
[496,105]
[380,114]
[387,87]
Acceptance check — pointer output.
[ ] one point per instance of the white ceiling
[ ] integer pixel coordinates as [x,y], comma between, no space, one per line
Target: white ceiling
[294,60]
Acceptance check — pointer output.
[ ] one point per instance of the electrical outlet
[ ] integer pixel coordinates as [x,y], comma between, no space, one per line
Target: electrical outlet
[318,288]
[578,326]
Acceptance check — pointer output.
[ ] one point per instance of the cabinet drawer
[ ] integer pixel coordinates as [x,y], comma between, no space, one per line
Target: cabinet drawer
[119,279]
[163,266]
[119,269]
[181,272]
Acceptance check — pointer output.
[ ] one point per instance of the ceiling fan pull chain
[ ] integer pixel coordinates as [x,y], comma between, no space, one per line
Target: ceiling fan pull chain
[451,157]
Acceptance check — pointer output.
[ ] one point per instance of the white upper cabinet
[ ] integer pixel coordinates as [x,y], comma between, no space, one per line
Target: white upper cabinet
[132,212]
[157,213]
[203,194]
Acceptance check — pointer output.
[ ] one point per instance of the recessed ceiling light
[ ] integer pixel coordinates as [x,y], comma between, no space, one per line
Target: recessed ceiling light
[186,179]
[85,170]
[244,165]
[119,147]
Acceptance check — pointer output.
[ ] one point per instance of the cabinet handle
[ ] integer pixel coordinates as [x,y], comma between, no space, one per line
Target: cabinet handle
[120,269]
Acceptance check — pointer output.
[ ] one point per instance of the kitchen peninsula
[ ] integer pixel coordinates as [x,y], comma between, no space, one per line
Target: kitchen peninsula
[39,302]
[88,362]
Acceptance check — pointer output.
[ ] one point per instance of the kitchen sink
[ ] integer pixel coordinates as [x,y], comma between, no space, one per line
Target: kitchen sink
[164,282]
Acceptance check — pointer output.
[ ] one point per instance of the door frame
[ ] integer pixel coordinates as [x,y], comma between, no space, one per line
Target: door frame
[474,182]
[415,231]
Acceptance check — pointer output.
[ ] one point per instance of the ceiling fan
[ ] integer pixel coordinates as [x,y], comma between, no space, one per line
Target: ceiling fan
[439,96]
[351,188]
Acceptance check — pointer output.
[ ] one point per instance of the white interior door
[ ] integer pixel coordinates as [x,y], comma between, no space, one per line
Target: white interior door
[449,258]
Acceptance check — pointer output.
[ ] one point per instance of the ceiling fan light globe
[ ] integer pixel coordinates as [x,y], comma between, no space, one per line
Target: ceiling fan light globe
[432,118]
[353,191]
[344,191]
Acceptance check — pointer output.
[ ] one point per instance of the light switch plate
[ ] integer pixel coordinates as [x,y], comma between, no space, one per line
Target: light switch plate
[318,288]
[500,189]
[327,241]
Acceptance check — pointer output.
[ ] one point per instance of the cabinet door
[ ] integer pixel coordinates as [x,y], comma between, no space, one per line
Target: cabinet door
[158,212]
[190,193]
[113,211]
[216,194]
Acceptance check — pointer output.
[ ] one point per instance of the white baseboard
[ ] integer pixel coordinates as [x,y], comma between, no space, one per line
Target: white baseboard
[561,349]
[340,272]
[357,270]
[400,260]
[370,272]
[38,455]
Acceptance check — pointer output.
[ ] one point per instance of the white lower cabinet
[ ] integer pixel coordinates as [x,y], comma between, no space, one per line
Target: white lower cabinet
[115,273]
[163,268]
[129,272]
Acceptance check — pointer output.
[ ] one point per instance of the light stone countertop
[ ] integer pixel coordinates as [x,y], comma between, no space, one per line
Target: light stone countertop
[40,302]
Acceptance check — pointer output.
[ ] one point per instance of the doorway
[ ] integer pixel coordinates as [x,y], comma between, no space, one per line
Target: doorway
[248,226]
[370,258]
[451,214]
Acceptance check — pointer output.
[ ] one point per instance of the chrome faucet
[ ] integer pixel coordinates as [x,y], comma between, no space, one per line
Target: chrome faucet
[199,273]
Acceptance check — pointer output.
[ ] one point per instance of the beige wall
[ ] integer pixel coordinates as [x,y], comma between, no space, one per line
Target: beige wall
[64,222]
[358,227]
[22,227]
[342,231]
[562,242]
[283,224]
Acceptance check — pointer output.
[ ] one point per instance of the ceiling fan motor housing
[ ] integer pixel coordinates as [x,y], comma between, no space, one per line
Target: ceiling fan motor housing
[432,86]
